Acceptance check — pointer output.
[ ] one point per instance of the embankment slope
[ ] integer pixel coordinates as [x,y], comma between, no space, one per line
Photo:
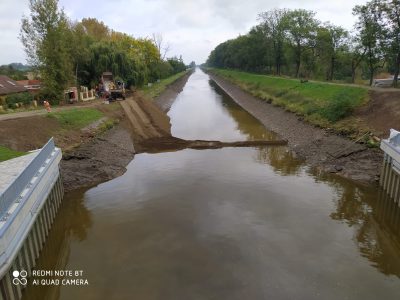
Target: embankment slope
[320,148]
[151,130]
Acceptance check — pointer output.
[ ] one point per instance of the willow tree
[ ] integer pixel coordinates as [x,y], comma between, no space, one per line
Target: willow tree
[44,35]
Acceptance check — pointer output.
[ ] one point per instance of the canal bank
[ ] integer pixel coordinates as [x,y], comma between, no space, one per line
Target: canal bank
[234,223]
[319,147]
[106,156]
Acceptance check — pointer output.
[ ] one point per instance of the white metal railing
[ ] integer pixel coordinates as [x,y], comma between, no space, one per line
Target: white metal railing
[13,191]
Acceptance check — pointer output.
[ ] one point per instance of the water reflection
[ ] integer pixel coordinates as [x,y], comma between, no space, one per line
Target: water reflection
[357,206]
[203,111]
[375,219]
[71,224]
[245,122]
[280,158]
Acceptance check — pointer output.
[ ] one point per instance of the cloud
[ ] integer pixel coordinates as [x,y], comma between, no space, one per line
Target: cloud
[191,27]
[11,13]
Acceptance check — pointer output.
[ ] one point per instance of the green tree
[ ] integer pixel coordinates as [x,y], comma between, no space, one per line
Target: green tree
[357,53]
[391,9]
[273,23]
[96,29]
[43,34]
[372,35]
[177,64]
[331,40]
[302,30]
[11,72]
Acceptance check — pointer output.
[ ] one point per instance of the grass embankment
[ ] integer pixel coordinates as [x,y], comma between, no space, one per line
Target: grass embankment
[6,153]
[322,104]
[157,88]
[76,118]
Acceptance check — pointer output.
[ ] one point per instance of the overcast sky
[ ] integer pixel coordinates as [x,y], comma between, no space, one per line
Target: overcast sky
[192,27]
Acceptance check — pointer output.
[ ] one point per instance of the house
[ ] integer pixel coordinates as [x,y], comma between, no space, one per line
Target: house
[9,86]
[33,86]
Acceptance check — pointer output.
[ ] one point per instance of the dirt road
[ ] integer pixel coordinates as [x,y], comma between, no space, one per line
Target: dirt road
[39,112]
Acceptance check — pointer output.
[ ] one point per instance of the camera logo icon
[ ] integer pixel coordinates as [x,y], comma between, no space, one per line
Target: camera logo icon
[20,277]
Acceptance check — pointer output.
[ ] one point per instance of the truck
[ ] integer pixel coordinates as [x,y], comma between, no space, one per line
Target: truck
[112,90]
[385,82]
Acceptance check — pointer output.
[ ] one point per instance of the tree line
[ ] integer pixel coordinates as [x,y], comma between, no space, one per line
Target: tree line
[293,42]
[13,72]
[66,52]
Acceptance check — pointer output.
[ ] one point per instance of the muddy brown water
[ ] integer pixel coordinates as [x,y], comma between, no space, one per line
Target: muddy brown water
[233,223]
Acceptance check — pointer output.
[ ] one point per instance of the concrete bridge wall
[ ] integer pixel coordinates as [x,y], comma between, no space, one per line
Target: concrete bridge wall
[28,206]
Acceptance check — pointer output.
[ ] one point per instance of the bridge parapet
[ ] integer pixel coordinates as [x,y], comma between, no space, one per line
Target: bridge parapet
[390,173]
[28,205]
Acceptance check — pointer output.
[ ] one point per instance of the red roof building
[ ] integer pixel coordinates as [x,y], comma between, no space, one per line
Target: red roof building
[33,86]
[10,86]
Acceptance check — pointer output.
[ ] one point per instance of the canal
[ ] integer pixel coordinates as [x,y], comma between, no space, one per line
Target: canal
[232,223]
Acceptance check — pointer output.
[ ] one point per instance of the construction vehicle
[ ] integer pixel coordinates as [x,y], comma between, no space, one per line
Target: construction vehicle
[112,90]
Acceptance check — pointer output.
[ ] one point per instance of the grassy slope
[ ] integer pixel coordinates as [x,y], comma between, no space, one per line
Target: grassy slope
[6,153]
[320,103]
[156,89]
[76,118]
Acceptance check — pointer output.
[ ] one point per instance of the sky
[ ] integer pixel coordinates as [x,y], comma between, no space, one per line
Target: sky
[192,28]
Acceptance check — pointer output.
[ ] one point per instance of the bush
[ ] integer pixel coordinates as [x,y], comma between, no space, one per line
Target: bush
[49,95]
[13,99]
[339,109]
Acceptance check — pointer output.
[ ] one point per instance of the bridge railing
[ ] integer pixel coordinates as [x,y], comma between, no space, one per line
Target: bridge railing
[14,190]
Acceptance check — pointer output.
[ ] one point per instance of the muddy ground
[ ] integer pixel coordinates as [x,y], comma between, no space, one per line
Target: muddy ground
[382,111]
[318,147]
[106,156]
[33,131]
[98,159]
